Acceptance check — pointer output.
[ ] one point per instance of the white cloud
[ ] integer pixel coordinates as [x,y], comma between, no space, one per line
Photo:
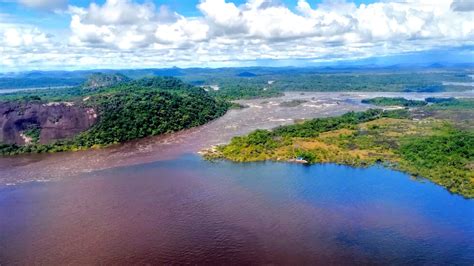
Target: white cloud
[119,12]
[124,33]
[21,36]
[267,21]
[14,37]
[122,24]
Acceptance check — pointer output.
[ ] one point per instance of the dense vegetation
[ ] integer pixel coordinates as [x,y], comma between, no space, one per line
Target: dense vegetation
[395,101]
[441,100]
[126,116]
[429,148]
[447,159]
[313,127]
[259,144]
[451,104]
[134,110]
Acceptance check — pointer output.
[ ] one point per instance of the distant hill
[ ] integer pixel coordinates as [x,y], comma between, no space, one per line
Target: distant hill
[436,65]
[247,74]
[170,72]
[288,77]
[99,80]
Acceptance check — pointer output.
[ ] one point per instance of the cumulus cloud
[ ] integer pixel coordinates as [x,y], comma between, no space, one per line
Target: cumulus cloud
[14,37]
[22,36]
[21,45]
[124,24]
[125,32]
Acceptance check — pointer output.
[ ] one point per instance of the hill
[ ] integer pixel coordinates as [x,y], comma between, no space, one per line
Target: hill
[99,80]
[109,114]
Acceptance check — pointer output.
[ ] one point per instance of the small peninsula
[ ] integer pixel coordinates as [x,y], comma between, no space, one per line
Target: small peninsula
[430,142]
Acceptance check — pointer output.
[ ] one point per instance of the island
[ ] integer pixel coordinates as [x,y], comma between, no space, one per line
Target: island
[394,101]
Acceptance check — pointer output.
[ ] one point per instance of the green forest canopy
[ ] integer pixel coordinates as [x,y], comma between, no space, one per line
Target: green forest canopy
[134,110]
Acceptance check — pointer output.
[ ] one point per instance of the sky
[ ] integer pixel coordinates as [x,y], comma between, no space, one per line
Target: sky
[80,34]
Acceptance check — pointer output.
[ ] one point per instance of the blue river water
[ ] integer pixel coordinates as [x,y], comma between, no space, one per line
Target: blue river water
[188,210]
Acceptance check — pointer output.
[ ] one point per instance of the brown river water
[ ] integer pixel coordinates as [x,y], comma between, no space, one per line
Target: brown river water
[155,201]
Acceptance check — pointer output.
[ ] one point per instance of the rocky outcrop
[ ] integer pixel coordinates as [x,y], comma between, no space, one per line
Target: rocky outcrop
[55,121]
[100,80]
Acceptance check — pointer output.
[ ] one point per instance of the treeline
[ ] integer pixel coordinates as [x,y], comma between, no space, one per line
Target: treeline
[395,101]
[433,102]
[452,104]
[313,127]
[367,81]
[446,159]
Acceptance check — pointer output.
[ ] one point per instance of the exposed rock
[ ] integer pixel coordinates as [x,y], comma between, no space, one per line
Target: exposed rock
[56,121]
[26,139]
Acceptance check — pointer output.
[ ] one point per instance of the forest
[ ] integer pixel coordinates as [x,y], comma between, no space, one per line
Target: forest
[257,82]
[130,110]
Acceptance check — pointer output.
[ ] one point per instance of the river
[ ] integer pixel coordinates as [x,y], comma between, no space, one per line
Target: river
[31,89]
[156,201]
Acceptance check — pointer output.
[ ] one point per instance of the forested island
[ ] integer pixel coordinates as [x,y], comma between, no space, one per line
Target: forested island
[434,142]
[450,102]
[397,101]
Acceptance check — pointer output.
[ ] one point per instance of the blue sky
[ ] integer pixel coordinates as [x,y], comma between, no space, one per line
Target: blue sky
[76,34]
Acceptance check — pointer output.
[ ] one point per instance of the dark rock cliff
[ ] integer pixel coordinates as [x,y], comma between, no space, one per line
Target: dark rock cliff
[53,121]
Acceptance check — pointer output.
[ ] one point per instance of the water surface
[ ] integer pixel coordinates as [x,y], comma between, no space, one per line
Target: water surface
[31,89]
[187,210]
